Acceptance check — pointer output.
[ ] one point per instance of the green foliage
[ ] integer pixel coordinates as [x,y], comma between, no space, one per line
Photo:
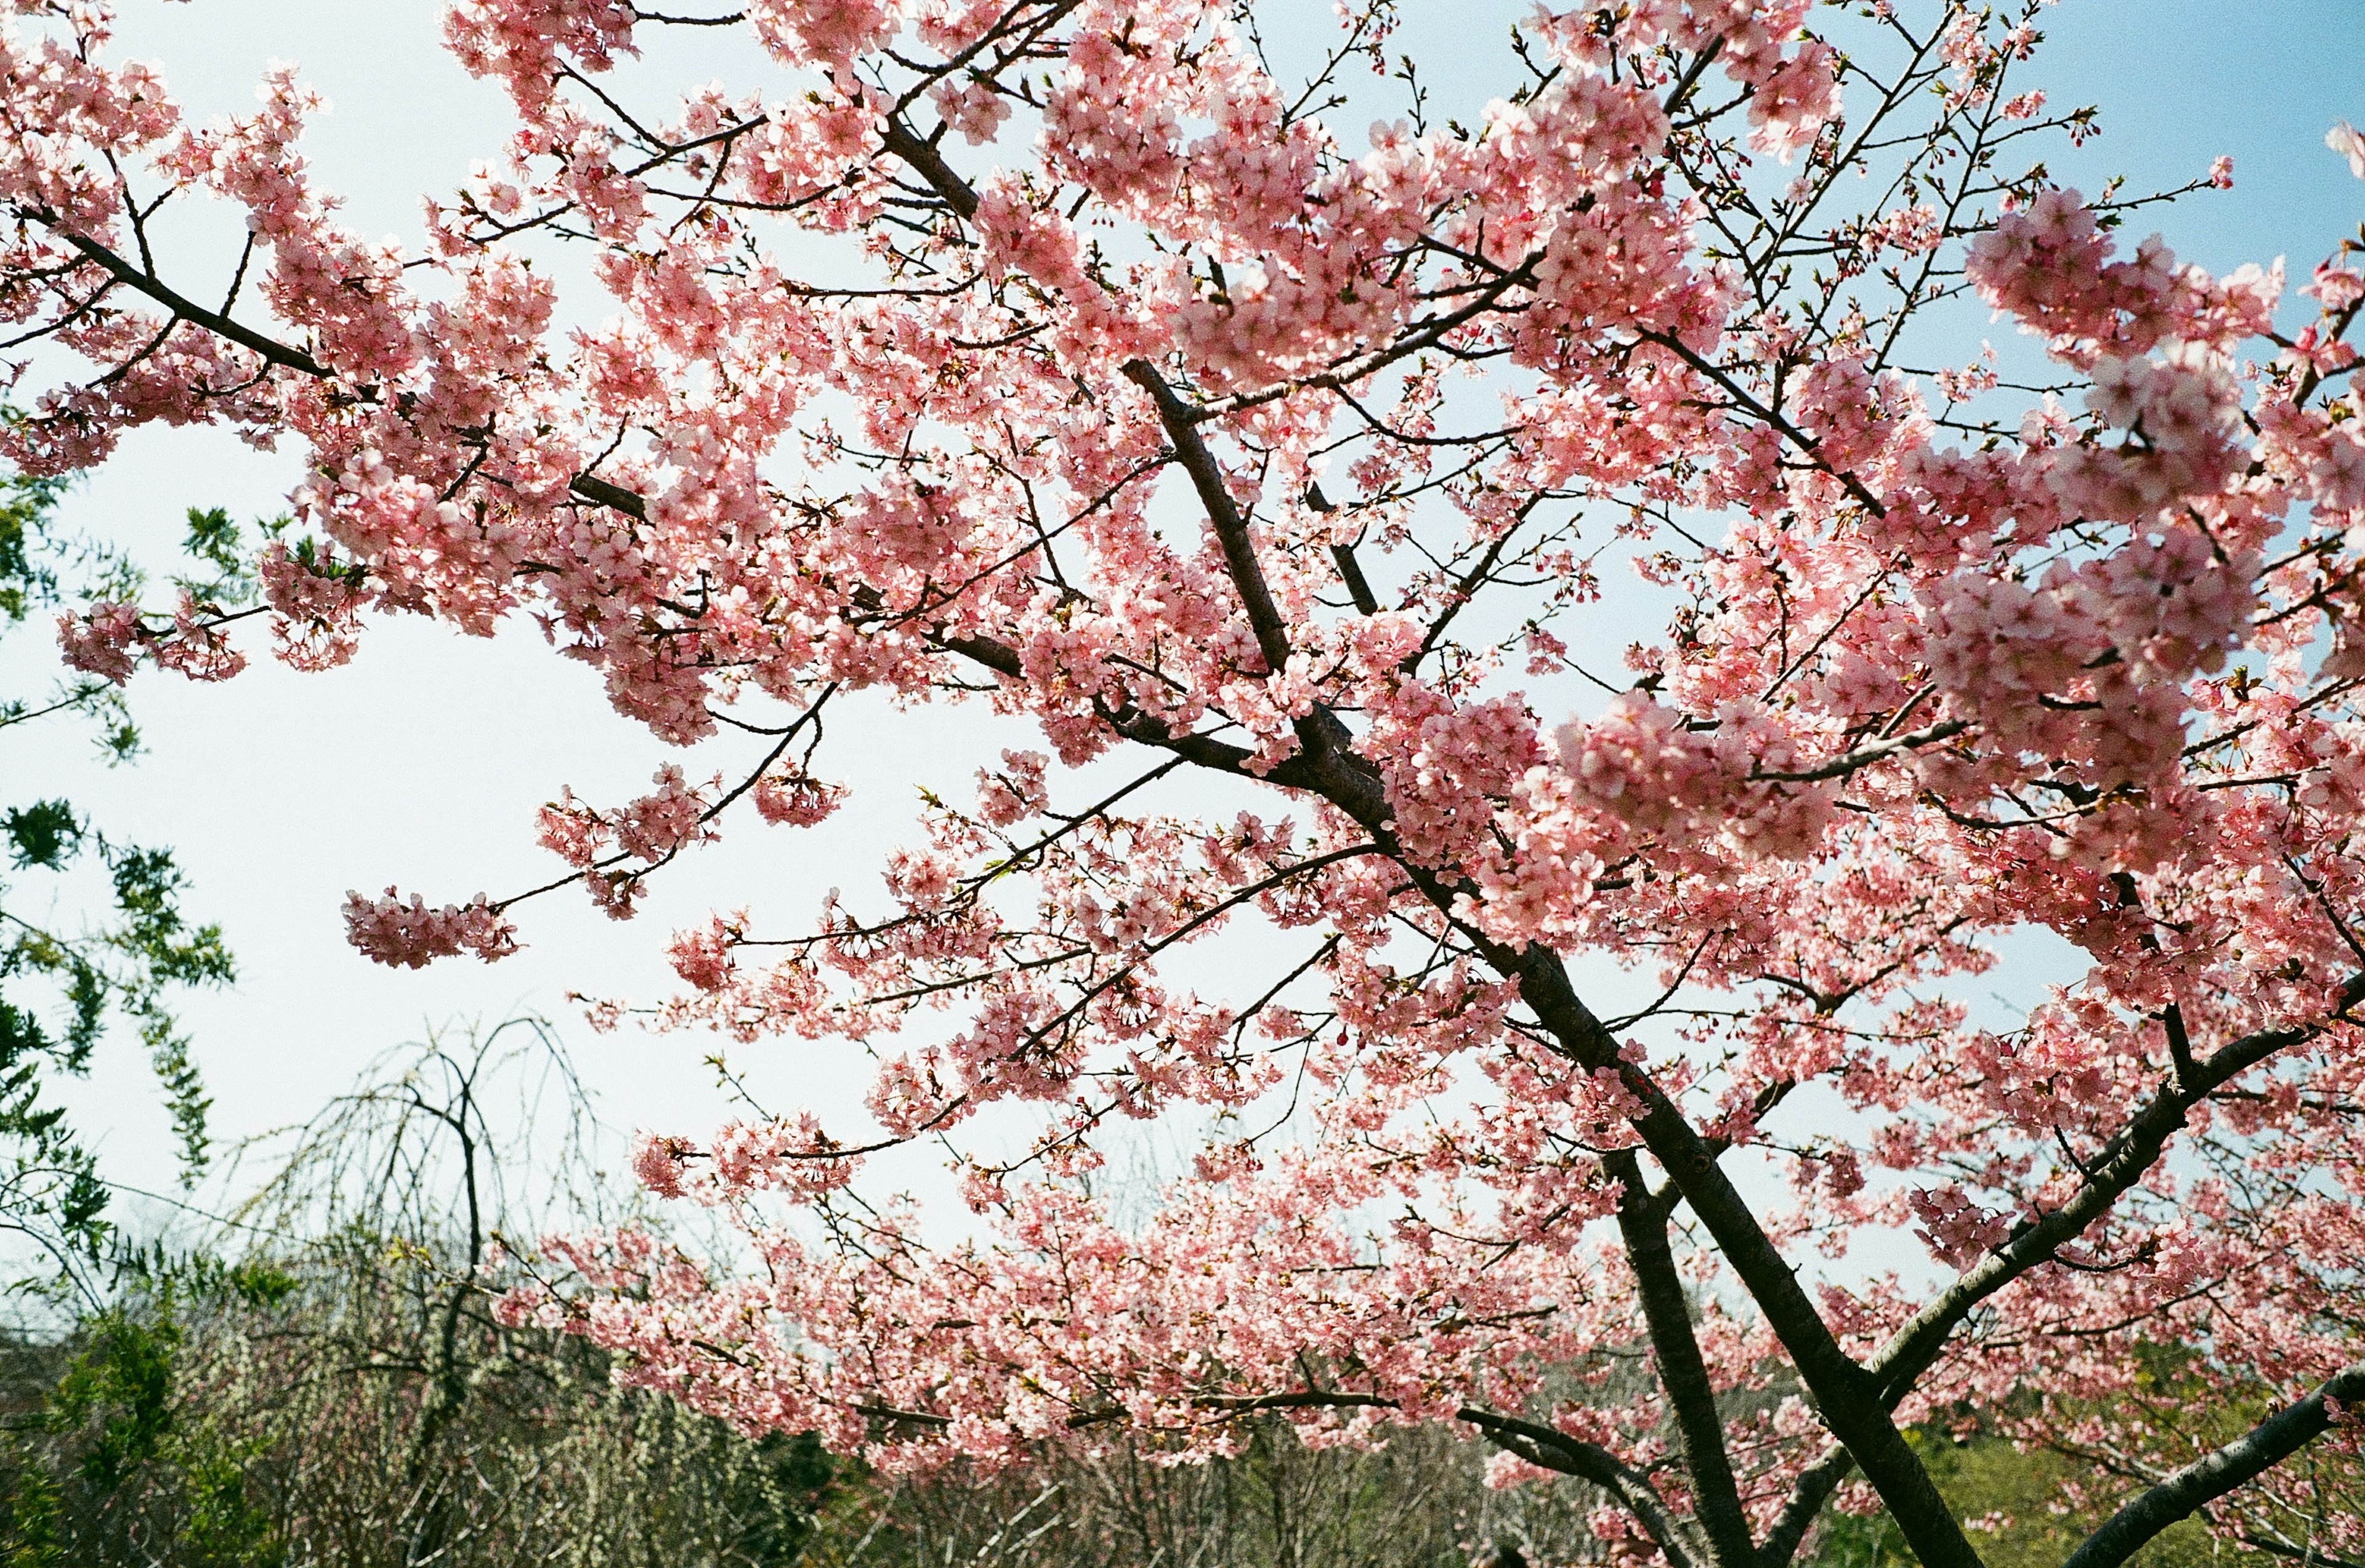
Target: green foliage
[41,834]
[117,1393]
[226,1525]
[787,1475]
[35,1530]
[125,965]
[41,568]
[26,575]
[216,545]
[213,541]
[122,954]
[117,1458]
[262,1412]
[332,1386]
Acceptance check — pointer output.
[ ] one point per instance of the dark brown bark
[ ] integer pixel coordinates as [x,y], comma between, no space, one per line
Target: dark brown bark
[1716,1501]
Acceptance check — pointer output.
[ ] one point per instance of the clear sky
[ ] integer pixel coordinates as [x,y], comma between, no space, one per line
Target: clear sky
[423,761]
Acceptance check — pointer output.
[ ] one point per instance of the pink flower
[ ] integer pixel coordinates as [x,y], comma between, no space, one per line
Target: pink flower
[2350,142]
[572,831]
[702,958]
[2335,287]
[413,936]
[318,600]
[1955,1228]
[1017,791]
[793,799]
[101,641]
[656,825]
[196,646]
[656,1161]
[973,109]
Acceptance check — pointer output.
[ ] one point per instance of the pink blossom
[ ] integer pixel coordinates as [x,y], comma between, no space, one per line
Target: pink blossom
[412,935]
[656,1161]
[973,109]
[2347,140]
[100,640]
[196,646]
[657,825]
[318,600]
[1955,1228]
[702,958]
[793,799]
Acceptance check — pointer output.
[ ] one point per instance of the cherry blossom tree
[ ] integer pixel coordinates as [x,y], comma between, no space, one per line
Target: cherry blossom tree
[1081,360]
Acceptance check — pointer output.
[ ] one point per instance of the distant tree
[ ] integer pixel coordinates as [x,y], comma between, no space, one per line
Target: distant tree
[1273,472]
[317,1378]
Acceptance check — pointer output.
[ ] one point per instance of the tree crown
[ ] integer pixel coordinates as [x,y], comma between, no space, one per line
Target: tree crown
[1277,477]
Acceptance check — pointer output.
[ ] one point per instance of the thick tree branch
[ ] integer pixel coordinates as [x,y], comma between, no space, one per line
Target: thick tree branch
[1849,1399]
[2124,1160]
[2214,1474]
[189,311]
[930,165]
[1642,1226]
[1351,572]
[1223,513]
[592,487]
[1814,1488]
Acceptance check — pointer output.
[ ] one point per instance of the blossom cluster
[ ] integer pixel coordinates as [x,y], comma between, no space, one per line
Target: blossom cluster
[412,936]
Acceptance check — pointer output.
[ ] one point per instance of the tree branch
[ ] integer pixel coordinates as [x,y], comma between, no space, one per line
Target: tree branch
[1223,513]
[2215,1474]
[1554,1450]
[930,165]
[1815,1485]
[189,311]
[1642,1226]
[1849,1399]
[592,487]
[1864,756]
[2124,1161]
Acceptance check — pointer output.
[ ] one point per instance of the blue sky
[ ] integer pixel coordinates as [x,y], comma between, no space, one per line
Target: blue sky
[423,761]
